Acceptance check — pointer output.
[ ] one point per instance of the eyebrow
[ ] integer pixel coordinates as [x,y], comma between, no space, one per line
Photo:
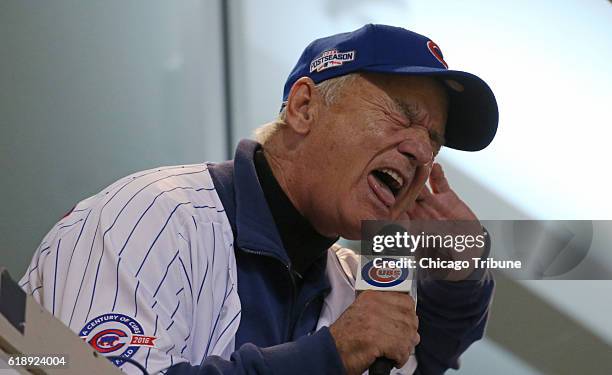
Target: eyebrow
[411,112]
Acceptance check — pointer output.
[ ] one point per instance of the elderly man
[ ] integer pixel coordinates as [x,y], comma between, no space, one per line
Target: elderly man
[231,268]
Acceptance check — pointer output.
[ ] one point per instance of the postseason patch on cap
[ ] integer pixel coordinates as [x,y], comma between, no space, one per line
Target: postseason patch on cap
[330,59]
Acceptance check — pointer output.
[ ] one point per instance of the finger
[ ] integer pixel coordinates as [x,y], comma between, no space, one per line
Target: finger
[417,212]
[420,179]
[400,300]
[425,194]
[430,204]
[431,207]
[437,180]
[398,347]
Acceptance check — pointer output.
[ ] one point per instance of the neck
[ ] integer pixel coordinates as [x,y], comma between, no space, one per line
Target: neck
[289,162]
[302,243]
[281,161]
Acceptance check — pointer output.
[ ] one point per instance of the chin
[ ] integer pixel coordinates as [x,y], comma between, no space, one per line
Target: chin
[351,225]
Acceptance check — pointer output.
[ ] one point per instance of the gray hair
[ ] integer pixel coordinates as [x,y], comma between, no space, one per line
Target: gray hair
[330,90]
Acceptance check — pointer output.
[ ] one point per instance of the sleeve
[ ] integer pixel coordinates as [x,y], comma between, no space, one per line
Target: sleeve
[314,354]
[118,274]
[134,274]
[452,316]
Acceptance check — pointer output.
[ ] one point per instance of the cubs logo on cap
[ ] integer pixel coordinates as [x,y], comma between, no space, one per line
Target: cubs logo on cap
[472,114]
[435,50]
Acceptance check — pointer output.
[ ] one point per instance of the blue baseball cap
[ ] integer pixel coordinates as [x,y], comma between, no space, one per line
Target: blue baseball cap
[472,116]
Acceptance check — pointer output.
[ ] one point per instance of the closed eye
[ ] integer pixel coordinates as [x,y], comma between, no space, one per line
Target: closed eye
[412,114]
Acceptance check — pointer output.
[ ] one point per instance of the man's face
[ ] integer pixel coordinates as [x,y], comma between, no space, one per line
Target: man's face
[374,149]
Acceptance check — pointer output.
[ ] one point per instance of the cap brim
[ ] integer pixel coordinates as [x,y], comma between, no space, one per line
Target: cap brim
[473,114]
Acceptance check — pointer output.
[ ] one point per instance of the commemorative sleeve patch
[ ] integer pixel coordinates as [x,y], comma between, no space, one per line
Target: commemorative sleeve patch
[116,335]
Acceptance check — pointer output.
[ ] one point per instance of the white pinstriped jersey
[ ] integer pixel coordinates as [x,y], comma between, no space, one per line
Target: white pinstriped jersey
[148,258]
[146,270]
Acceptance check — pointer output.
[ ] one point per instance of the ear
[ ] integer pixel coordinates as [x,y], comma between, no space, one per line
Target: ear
[303,105]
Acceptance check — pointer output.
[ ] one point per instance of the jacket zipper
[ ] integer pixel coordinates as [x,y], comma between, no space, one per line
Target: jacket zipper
[290,323]
[303,310]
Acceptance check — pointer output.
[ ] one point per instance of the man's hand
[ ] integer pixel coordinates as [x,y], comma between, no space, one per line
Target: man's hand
[377,324]
[441,203]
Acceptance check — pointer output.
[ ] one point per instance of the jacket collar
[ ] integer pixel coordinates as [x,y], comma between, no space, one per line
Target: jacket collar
[245,204]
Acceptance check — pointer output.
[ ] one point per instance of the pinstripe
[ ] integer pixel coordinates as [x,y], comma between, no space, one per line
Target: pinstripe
[149,351]
[38,260]
[134,178]
[190,258]
[187,276]
[154,225]
[136,299]
[157,237]
[83,278]
[213,261]
[206,206]
[97,226]
[117,285]
[227,326]
[69,225]
[171,324]
[55,272]
[226,293]
[144,213]
[95,284]
[176,309]
[30,269]
[78,239]
[202,285]
[165,274]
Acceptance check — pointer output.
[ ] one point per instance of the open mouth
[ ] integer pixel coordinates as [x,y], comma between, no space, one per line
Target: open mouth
[386,183]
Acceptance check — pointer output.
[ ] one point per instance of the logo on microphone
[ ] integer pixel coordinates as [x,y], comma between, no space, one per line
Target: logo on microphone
[383,277]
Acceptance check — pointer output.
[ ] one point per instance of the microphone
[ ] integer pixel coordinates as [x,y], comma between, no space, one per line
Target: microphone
[373,276]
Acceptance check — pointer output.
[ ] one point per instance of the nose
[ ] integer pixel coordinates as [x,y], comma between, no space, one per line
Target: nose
[417,146]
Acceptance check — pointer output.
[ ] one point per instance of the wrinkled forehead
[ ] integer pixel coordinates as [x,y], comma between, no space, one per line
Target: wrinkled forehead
[409,96]
[404,88]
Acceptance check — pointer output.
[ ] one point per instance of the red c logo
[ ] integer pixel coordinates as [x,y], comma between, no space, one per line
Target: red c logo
[437,52]
[108,340]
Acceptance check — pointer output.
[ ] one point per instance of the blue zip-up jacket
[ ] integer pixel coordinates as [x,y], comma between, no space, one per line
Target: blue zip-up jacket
[276,333]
